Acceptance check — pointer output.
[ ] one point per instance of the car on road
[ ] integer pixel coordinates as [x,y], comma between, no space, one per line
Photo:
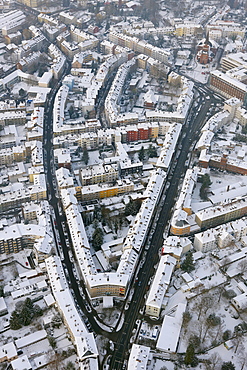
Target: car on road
[88,307]
[142,310]
[108,360]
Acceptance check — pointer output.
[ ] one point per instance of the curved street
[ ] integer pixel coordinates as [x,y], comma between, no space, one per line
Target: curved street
[190,132]
[191,129]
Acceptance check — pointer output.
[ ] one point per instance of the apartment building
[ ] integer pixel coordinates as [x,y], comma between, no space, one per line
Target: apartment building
[12,117]
[169,146]
[15,237]
[111,101]
[32,3]
[188,29]
[233,60]
[80,36]
[14,199]
[82,58]
[228,86]
[30,210]
[107,284]
[139,357]
[222,213]
[100,191]
[67,18]
[205,241]
[226,28]
[69,49]
[141,47]
[64,178]
[12,21]
[45,18]
[98,174]
[160,285]
[228,164]
[82,339]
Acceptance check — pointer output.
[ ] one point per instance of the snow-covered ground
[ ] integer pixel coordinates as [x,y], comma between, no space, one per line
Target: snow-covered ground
[198,71]
[21,85]
[219,180]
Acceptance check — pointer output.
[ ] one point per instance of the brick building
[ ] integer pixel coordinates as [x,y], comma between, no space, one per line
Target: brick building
[228,86]
[224,163]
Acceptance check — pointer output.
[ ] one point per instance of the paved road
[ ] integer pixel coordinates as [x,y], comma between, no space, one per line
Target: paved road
[84,305]
[123,337]
[192,131]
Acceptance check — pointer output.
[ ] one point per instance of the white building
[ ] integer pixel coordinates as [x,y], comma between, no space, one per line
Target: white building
[205,241]
[139,356]
[170,330]
[84,341]
[160,285]
[169,146]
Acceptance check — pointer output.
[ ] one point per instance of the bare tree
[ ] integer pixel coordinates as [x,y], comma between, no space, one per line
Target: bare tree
[236,341]
[195,340]
[213,362]
[193,45]
[210,322]
[186,319]
[242,356]
[225,263]
[242,266]
[203,304]
[220,291]
[219,331]
[200,327]
[198,305]
[55,361]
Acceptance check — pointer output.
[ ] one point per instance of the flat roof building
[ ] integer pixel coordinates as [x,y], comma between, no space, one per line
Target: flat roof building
[170,330]
[160,285]
[139,356]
